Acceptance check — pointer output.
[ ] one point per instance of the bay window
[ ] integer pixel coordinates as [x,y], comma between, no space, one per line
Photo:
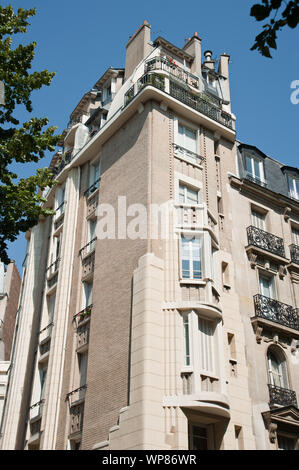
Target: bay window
[191,258]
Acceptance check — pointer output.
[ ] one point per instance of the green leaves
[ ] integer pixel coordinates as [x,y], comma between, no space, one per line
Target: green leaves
[266,40]
[21,202]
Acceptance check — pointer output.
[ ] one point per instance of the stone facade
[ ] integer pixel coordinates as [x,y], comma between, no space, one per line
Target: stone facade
[149,339]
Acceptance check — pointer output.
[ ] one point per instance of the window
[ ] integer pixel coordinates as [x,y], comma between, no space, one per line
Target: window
[42,377]
[187,138]
[295,235]
[238,438]
[267,286]
[188,195]
[94,177]
[277,369]
[254,168]
[51,307]
[87,294]
[60,195]
[206,330]
[258,219]
[191,254]
[198,438]
[186,340]
[293,187]
[286,443]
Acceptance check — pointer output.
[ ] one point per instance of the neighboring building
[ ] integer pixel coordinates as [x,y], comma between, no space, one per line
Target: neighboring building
[139,341]
[10,283]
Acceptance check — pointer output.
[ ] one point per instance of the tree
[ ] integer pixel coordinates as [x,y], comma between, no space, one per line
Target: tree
[20,200]
[289,16]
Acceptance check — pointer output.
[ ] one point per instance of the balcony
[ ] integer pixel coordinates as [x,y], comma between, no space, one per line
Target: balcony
[64,160]
[82,315]
[35,418]
[265,241]
[88,248]
[162,63]
[188,155]
[282,396]
[275,311]
[45,341]
[200,102]
[76,401]
[256,180]
[83,330]
[92,188]
[294,253]
[59,216]
[52,273]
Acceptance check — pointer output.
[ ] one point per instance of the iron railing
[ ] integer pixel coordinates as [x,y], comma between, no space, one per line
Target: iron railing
[294,252]
[282,396]
[278,312]
[265,240]
[53,267]
[256,180]
[162,63]
[92,188]
[83,314]
[88,248]
[200,104]
[76,395]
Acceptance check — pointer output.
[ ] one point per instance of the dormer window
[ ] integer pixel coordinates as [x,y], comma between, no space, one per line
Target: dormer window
[293,187]
[255,169]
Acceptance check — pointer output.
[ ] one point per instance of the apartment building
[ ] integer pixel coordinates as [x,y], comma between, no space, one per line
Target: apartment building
[10,283]
[134,337]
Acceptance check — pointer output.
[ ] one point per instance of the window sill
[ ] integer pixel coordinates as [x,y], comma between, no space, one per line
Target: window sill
[199,282]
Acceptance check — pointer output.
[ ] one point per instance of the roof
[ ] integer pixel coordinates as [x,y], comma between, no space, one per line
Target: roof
[172,48]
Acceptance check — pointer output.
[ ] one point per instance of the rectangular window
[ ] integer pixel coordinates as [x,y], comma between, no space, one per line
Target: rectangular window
[258,219]
[188,195]
[191,258]
[206,346]
[267,286]
[82,358]
[94,176]
[186,340]
[295,235]
[254,168]
[293,187]
[286,443]
[238,438]
[187,138]
[87,294]
[198,438]
[51,307]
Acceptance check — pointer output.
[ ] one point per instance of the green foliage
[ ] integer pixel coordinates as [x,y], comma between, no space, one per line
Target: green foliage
[289,16]
[20,200]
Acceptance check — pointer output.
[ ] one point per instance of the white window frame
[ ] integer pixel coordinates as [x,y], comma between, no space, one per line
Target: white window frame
[295,236]
[187,154]
[258,219]
[272,285]
[190,237]
[293,190]
[253,159]
[282,376]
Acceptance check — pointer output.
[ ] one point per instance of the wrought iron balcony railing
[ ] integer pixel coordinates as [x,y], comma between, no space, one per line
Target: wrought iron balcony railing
[282,396]
[84,314]
[265,240]
[256,180]
[200,103]
[294,252]
[53,268]
[88,248]
[92,188]
[276,311]
[76,395]
[162,63]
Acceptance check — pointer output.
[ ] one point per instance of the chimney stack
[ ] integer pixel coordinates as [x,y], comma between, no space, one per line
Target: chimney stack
[193,47]
[137,47]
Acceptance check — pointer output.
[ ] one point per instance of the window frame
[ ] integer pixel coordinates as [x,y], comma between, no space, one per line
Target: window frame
[293,185]
[252,174]
[195,236]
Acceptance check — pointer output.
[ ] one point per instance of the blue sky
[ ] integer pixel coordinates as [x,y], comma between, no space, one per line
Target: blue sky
[80,40]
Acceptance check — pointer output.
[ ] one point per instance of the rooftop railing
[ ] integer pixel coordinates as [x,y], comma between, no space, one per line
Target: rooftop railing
[163,63]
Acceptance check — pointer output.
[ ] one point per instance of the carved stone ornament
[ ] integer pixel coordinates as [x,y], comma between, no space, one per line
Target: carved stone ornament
[272,432]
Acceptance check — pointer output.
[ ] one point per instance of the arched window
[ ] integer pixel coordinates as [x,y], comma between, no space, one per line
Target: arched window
[277,368]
